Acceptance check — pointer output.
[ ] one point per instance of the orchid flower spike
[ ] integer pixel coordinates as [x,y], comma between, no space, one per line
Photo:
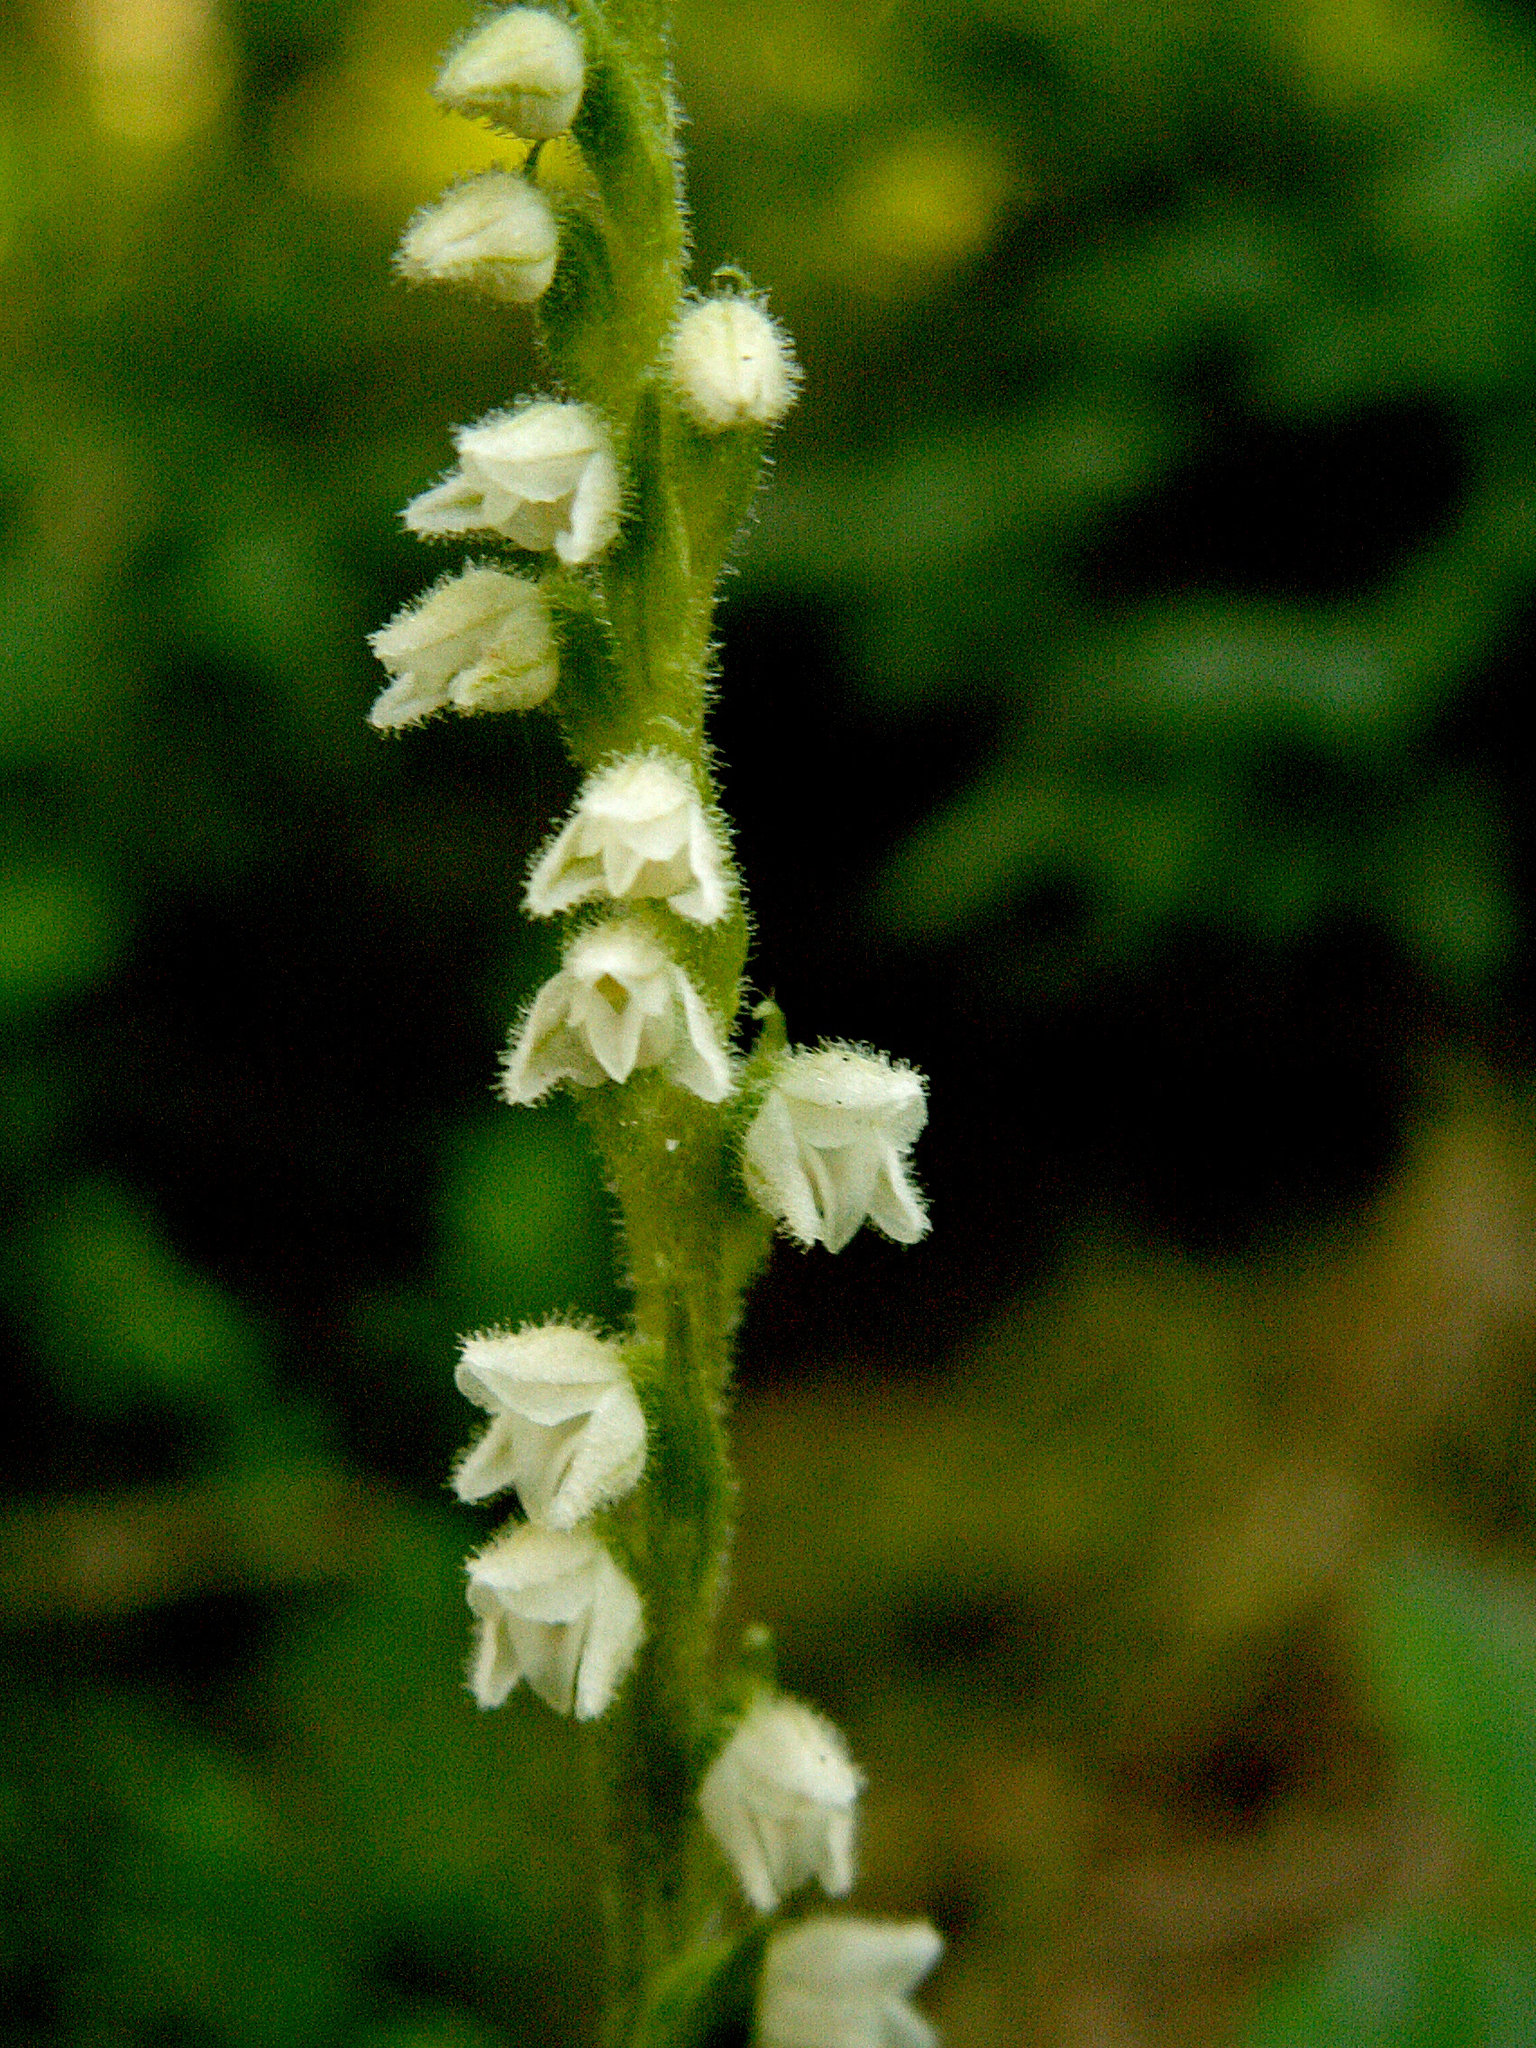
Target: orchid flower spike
[732,366]
[828,1148]
[554,1609]
[495,233]
[619,1003]
[780,1798]
[543,476]
[478,641]
[638,830]
[846,1984]
[566,1429]
[523,72]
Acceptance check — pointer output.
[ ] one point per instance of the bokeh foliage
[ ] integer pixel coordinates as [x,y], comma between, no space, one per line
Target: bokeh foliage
[1148,570]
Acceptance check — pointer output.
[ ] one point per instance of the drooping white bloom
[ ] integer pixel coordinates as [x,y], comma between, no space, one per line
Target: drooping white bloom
[480,641]
[555,1609]
[779,1799]
[732,366]
[567,1431]
[543,476]
[523,71]
[828,1147]
[618,1003]
[495,232]
[845,1984]
[638,829]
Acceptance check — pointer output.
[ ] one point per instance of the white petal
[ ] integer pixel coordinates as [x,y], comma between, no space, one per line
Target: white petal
[616,1632]
[594,512]
[774,1175]
[698,1062]
[456,505]
[407,701]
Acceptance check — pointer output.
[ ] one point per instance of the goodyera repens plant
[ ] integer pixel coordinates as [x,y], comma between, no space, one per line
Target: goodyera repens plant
[599,520]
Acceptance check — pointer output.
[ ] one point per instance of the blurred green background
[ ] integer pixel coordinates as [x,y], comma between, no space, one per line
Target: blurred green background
[1124,715]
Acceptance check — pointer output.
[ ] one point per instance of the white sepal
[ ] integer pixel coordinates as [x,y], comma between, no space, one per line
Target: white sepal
[480,641]
[523,71]
[779,1799]
[846,1984]
[566,1429]
[494,232]
[828,1148]
[638,829]
[543,476]
[732,366]
[619,1003]
[554,1609]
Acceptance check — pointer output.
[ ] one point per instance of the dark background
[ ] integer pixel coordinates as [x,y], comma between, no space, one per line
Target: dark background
[1123,710]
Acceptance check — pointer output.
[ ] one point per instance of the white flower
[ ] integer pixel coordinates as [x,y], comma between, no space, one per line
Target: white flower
[544,476]
[732,366]
[779,1799]
[618,1003]
[828,1147]
[567,1430]
[495,232]
[523,71]
[480,641]
[845,1984]
[554,1609]
[638,829]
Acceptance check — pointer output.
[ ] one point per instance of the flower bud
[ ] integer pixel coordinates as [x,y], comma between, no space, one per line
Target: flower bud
[480,641]
[495,233]
[523,72]
[732,366]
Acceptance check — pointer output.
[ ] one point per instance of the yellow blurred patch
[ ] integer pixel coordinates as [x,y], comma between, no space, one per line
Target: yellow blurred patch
[158,69]
[926,203]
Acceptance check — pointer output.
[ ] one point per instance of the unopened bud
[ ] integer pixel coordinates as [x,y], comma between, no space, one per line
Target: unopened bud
[732,366]
[523,72]
[495,233]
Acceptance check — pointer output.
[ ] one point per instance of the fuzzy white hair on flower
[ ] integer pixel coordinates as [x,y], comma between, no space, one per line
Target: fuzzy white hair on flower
[553,1608]
[732,366]
[495,233]
[543,476]
[638,830]
[828,1148]
[619,1003]
[780,1800]
[566,1429]
[478,641]
[523,71]
[846,1984]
